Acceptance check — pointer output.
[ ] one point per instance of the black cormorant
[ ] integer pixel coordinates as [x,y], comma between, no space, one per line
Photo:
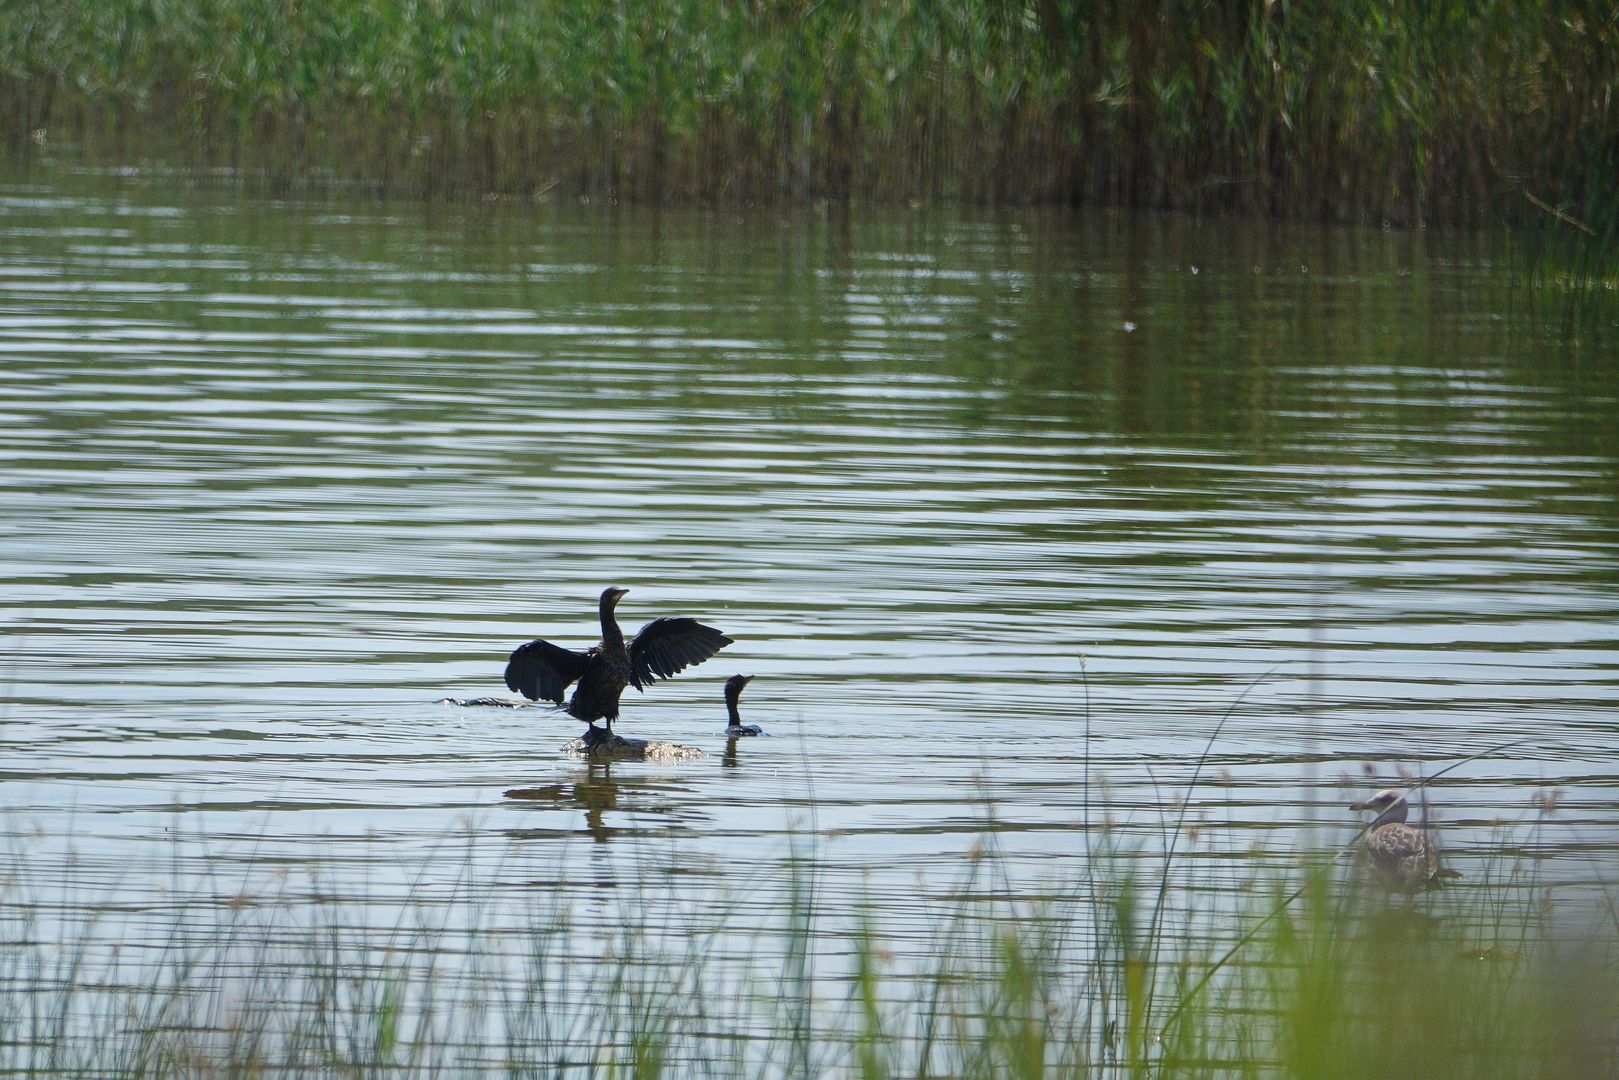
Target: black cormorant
[733,691]
[662,648]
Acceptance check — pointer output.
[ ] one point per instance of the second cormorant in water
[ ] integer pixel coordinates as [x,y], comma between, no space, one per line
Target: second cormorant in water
[733,691]
[1402,856]
[662,648]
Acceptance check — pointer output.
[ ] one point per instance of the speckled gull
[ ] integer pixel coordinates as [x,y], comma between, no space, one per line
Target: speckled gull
[1401,856]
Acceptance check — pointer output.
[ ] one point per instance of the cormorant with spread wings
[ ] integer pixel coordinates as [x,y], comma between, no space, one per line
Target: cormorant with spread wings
[662,648]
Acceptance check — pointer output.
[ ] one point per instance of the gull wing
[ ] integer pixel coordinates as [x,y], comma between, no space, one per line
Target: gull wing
[543,670]
[666,646]
[1404,855]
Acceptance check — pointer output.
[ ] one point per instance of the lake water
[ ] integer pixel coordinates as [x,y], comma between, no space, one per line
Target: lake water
[993,504]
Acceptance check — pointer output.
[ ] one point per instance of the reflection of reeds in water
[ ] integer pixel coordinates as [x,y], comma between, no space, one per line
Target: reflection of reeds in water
[1572,259]
[1093,975]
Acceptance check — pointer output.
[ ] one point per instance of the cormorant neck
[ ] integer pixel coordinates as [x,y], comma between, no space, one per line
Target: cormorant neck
[731,710]
[611,634]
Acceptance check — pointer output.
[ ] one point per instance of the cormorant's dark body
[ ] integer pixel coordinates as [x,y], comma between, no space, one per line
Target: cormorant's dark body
[662,648]
[733,692]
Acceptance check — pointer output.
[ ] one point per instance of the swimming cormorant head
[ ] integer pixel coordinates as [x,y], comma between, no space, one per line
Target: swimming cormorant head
[611,596]
[733,687]
[733,691]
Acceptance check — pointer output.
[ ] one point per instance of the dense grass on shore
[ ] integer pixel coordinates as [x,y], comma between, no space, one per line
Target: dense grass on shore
[1393,110]
[1116,972]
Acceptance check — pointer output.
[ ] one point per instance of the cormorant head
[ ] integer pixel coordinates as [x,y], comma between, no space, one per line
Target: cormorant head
[733,687]
[611,596]
[1389,804]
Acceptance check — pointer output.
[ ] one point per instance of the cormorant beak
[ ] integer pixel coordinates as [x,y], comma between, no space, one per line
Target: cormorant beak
[1363,805]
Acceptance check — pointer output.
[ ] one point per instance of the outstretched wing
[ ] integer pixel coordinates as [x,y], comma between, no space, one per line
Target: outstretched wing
[665,646]
[543,670]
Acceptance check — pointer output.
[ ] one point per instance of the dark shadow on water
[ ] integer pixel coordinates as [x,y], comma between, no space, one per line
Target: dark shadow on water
[606,799]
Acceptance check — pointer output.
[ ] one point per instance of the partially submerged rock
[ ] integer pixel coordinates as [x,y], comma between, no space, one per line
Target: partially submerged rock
[618,748]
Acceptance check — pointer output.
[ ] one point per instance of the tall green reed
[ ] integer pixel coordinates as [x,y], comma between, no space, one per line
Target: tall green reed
[1012,979]
[1123,965]
[1390,110]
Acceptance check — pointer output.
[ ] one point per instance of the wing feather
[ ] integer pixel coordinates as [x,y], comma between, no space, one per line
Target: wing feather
[1406,856]
[543,670]
[667,646]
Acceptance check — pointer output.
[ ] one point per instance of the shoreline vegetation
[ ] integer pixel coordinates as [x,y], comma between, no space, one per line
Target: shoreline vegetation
[1122,969]
[1381,111]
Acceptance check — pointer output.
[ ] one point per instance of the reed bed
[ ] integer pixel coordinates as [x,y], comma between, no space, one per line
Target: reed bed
[1381,110]
[1120,969]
